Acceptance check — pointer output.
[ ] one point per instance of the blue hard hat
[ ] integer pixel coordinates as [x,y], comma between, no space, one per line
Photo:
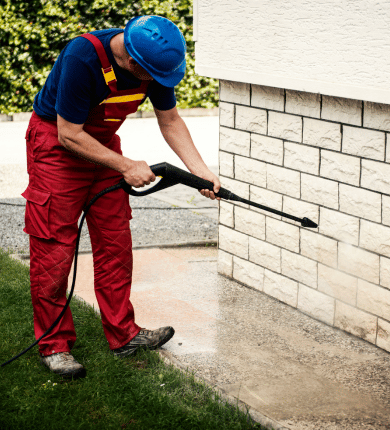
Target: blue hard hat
[158,46]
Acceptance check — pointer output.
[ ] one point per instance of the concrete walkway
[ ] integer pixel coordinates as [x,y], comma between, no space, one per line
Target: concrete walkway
[292,371]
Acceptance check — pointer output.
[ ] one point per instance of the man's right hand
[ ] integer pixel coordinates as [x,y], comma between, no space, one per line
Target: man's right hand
[137,173]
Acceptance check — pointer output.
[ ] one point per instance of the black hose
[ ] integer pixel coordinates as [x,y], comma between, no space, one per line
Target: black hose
[102,193]
[170,175]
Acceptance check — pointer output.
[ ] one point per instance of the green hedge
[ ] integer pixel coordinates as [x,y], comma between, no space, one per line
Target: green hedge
[33,33]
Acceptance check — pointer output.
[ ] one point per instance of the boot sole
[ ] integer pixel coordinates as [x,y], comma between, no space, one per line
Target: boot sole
[164,340]
[80,373]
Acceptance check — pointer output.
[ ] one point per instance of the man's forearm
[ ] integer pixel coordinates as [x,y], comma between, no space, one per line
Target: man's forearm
[176,133]
[75,139]
[85,146]
[179,139]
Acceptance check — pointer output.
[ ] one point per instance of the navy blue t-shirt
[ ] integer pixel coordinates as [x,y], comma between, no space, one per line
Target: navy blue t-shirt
[76,84]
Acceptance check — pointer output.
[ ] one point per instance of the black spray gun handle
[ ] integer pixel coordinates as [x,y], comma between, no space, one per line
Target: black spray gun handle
[171,175]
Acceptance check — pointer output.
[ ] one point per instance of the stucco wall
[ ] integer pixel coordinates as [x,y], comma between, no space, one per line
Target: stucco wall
[328,47]
[311,155]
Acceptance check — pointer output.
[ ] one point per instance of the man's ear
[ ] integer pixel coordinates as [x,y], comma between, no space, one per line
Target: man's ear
[132,62]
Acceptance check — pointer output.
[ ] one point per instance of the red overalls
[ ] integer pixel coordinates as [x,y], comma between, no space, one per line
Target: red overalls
[60,186]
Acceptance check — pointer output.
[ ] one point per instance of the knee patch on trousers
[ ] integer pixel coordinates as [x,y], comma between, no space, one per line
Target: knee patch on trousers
[118,252]
[50,266]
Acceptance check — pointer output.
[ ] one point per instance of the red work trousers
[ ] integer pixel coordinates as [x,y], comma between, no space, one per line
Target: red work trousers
[60,186]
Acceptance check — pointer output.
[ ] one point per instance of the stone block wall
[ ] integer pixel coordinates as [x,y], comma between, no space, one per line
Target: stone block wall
[325,158]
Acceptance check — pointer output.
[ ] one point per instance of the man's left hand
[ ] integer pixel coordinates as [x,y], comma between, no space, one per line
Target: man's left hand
[217,185]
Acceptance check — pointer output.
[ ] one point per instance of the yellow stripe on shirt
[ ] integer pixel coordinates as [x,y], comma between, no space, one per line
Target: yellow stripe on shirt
[124,99]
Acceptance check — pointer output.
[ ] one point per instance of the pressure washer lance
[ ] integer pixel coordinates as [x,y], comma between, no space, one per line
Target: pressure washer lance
[170,176]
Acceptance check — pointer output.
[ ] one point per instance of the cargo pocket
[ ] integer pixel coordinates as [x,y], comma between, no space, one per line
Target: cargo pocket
[37,213]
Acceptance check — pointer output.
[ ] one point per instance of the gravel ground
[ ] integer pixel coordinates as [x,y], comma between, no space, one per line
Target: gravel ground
[154,223]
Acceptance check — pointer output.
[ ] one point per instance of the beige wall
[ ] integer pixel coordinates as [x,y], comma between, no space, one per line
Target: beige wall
[337,48]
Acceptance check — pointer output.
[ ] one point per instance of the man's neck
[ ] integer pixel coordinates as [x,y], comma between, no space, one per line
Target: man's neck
[119,51]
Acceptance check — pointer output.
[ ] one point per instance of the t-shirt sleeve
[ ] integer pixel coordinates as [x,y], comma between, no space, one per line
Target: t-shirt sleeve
[162,98]
[75,87]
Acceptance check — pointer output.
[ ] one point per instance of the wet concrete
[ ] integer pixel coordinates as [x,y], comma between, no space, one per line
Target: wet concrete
[283,364]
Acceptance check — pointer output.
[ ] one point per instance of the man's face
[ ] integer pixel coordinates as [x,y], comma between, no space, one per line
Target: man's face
[138,71]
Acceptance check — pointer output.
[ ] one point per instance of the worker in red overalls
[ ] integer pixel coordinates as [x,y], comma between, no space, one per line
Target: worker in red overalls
[73,153]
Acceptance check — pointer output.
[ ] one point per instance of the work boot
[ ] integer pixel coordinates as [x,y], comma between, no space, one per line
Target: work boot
[146,339]
[64,364]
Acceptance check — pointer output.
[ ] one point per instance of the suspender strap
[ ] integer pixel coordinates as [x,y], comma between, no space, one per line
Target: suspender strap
[107,69]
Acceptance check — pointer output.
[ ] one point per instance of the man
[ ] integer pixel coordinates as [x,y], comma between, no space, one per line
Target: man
[73,153]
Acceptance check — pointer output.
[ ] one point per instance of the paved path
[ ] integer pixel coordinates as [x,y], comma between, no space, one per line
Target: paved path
[294,372]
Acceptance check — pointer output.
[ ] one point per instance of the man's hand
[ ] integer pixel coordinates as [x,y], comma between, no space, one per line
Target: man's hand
[137,173]
[217,185]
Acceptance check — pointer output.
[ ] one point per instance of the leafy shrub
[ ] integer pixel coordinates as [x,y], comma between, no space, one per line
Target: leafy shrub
[33,33]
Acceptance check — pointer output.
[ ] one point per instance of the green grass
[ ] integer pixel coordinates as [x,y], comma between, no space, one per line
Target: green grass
[137,393]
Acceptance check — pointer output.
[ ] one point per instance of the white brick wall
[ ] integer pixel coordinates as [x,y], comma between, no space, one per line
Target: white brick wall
[285,126]
[337,284]
[226,164]
[376,116]
[358,262]
[361,203]
[312,156]
[233,141]
[248,273]
[318,247]
[226,214]
[373,299]
[267,149]
[342,110]
[357,322]
[383,339]
[364,143]
[280,287]
[337,225]
[268,97]
[306,104]
[301,157]
[226,114]
[322,134]
[300,268]
[320,191]
[266,198]
[249,170]
[225,263]
[250,119]
[249,222]
[265,254]
[340,167]
[235,92]
[283,181]
[316,304]
[376,176]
